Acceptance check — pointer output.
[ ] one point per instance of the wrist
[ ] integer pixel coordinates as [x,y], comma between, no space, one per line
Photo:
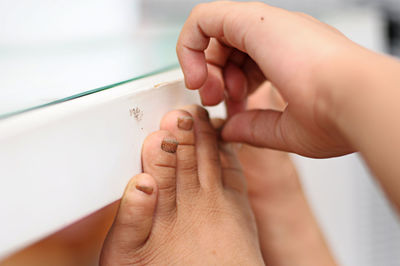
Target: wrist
[359,94]
[339,89]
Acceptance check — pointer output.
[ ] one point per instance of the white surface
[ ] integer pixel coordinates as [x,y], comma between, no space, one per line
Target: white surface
[62,162]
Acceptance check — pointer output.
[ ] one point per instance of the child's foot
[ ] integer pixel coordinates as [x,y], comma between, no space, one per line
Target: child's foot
[189,206]
[288,231]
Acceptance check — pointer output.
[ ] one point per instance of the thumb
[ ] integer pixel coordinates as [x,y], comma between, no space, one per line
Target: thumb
[261,128]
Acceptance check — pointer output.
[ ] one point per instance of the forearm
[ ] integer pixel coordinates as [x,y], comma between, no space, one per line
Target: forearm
[289,233]
[365,93]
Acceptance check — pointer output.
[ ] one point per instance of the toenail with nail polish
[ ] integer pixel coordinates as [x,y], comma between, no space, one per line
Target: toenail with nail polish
[146,189]
[169,145]
[185,122]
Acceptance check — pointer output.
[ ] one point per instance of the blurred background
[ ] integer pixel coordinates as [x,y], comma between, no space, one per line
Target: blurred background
[52,49]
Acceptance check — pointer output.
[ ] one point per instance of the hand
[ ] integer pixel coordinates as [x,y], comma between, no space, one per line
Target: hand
[287,230]
[231,48]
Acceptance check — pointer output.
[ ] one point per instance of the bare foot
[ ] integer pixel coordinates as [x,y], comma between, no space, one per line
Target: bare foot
[190,205]
[288,231]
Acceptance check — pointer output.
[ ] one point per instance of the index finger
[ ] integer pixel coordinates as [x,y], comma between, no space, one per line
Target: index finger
[229,22]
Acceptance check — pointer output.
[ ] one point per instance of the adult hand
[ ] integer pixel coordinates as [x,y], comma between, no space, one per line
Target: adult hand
[231,48]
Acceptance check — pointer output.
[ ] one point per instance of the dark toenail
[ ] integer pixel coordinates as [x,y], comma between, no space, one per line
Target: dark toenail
[218,131]
[203,114]
[146,189]
[169,145]
[185,122]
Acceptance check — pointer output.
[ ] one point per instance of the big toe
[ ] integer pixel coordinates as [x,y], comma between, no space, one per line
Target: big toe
[133,221]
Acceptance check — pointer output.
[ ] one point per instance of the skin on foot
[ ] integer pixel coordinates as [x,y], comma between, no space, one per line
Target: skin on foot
[190,205]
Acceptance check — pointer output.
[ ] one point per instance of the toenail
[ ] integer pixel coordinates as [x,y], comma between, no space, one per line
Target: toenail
[203,114]
[185,122]
[169,145]
[146,189]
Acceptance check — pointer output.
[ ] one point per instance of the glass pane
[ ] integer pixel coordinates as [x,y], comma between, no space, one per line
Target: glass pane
[52,51]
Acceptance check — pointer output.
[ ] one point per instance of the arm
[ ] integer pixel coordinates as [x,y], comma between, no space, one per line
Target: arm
[365,108]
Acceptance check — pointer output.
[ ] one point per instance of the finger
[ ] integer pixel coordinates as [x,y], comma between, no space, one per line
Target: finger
[241,82]
[235,82]
[221,20]
[217,53]
[261,128]
[236,86]
[238,71]
[212,91]
[254,76]
[233,107]
[281,131]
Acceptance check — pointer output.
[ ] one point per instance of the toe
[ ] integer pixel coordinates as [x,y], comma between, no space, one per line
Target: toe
[180,124]
[208,161]
[232,173]
[159,160]
[133,221]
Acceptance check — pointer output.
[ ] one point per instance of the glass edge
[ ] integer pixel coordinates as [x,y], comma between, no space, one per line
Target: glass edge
[78,95]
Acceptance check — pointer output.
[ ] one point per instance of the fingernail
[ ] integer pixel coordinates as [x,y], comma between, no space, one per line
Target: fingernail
[146,189]
[169,145]
[185,122]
